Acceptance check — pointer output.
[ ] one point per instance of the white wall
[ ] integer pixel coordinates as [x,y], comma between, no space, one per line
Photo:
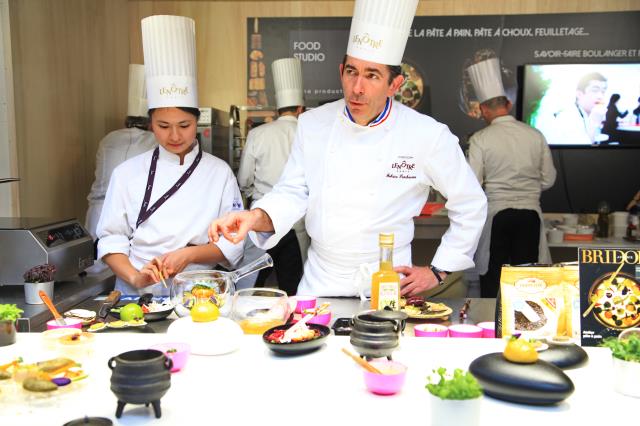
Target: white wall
[8,161]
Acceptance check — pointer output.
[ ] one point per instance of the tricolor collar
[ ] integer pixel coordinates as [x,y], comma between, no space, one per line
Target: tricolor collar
[378,120]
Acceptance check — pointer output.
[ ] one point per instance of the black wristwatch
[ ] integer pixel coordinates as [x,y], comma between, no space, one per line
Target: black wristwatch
[436,272]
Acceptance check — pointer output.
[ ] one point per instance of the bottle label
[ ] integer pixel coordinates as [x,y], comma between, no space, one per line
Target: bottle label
[388,295]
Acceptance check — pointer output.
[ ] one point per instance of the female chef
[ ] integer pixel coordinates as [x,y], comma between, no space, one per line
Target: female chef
[160,203]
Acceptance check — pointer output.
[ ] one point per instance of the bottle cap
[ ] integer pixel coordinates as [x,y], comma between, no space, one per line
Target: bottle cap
[386,239]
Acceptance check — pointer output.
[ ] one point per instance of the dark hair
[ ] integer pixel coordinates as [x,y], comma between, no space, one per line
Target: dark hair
[613,99]
[141,123]
[584,81]
[497,102]
[190,110]
[285,110]
[394,70]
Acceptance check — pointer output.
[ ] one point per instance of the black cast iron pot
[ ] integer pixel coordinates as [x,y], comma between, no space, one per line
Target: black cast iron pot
[140,377]
[376,334]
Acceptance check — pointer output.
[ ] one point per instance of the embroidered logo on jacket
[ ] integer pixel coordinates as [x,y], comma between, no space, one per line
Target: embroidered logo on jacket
[404,167]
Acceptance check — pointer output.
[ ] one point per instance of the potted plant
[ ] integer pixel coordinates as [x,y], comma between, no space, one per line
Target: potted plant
[8,316]
[626,362]
[38,278]
[455,399]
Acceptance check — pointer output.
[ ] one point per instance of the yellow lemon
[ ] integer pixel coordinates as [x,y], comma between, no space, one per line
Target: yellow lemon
[204,312]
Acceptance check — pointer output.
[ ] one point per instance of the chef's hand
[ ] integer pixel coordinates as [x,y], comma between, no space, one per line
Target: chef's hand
[147,275]
[416,279]
[174,262]
[236,225]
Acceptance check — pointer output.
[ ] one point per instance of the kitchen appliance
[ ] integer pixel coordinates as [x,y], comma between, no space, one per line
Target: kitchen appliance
[26,242]
[219,135]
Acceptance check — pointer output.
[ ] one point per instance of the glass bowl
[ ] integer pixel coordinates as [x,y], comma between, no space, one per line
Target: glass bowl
[256,310]
[190,286]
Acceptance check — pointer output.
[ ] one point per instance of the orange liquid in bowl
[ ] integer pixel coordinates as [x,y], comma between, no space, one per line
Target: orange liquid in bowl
[258,326]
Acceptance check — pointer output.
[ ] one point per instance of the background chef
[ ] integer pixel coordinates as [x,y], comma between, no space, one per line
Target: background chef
[513,163]
[364,165]
[263,159]
[120,145]
[159,203]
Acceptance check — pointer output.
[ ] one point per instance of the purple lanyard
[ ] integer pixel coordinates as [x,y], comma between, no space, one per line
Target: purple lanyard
[146,213]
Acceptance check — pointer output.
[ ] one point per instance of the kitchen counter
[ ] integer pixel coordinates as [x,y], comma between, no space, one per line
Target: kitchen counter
[254,386]
[66,295]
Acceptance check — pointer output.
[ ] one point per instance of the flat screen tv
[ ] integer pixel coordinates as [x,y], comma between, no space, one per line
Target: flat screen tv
[579,105]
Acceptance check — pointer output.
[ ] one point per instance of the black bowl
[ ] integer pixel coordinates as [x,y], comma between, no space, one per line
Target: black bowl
[297,348]
[149,316]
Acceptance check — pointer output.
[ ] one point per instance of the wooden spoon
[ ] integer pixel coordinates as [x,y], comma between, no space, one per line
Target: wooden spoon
[363,363]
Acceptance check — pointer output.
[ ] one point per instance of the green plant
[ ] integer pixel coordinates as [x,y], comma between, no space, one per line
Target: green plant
[627,349]
[9,312]
[462,385]
[40,274]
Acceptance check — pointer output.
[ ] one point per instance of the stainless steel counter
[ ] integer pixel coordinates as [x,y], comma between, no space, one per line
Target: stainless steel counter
[66,295]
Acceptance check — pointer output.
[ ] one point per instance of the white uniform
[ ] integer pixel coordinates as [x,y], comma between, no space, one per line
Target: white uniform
[513,163]
[569,126]
[354,182]
[263,159]
[183,219]
[115,148]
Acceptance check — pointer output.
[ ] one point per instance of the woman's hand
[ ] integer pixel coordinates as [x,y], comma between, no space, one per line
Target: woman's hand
[174,262]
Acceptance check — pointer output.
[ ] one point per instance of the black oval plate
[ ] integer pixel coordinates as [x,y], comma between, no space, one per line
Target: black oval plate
[297,348]
[149,316]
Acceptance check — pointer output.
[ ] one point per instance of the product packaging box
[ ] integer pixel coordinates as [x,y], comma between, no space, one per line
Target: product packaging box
[609,292]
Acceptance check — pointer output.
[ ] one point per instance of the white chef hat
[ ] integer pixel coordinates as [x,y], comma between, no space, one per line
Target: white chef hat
[137,98]
[287,78]
[169,44]
[486,79]
[380,29]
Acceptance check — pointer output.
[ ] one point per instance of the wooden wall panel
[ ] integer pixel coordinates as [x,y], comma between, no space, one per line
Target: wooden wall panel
[221,29]
[70,60]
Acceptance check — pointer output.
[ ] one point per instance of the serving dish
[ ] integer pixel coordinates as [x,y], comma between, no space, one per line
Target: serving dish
[297,348]
[148,316]
[428,310]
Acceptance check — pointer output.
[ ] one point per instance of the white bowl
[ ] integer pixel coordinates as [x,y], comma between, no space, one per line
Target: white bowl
[207,338]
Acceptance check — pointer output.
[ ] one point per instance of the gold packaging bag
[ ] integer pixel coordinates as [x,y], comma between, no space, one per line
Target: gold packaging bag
[539,301]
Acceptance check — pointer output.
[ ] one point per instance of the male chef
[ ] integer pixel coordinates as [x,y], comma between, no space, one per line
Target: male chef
[263,159]
[364,165]
[513,163]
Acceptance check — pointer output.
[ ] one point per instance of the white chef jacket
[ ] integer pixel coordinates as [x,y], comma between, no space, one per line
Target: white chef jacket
[263,159]
[569,126]
[115,148]
[513,163]
[354,182]
[265,155]
[183,219]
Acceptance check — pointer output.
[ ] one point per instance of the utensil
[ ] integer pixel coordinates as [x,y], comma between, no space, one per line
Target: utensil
[463,311]
[56,315]
[291,331]
[610,280]
[364,364]
[107,304]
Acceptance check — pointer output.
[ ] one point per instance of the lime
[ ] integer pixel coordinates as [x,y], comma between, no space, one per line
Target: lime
[132,311]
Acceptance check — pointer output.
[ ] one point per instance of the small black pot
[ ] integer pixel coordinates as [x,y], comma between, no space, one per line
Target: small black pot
[377,334]
[140,377]
[7,332]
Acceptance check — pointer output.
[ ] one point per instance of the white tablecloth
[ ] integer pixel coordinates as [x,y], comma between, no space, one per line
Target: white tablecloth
[252,386]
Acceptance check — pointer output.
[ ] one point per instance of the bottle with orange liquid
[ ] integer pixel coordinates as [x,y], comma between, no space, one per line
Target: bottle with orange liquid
[385,284]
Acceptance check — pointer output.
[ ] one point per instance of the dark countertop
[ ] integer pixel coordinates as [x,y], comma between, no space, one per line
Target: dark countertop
[66,295]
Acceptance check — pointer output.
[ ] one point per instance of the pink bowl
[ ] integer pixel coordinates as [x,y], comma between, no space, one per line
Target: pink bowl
[322,319]
[488,329]
[179,357]
[71,323]
[385,384]
[304,302]
[465,330]
[431,330]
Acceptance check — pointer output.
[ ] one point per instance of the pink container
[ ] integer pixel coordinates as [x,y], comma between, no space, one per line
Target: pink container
[179,357]
[71,323]
[304,302]
[385,384]
[431,330]
[488,329]
[322,319]
[465,330]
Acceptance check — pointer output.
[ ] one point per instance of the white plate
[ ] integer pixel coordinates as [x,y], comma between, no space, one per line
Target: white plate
[207,338]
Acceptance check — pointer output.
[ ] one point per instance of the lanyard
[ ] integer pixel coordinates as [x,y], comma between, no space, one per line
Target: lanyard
[146,213]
